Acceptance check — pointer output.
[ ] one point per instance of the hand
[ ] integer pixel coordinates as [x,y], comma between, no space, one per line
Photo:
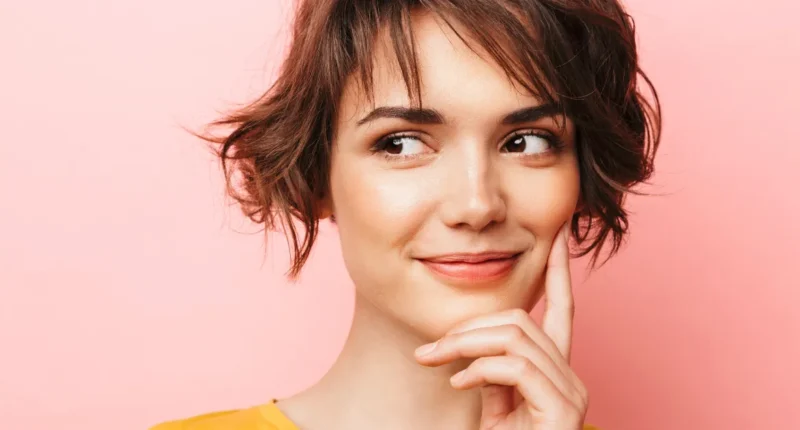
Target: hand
[522,369]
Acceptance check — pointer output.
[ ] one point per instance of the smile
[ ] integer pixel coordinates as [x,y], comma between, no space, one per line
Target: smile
[481,267]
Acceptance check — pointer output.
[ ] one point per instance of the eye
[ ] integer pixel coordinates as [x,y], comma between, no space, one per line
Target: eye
[401,146]
[528,143]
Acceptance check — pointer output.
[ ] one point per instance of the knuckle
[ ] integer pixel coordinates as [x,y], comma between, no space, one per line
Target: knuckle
[579,398]
[584,393]
[519,316]
[579,391]
[580,387]
[515,333]
[480,364]
[525,367]
[448,342]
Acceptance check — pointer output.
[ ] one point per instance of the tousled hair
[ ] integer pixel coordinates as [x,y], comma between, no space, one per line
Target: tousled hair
[580,54]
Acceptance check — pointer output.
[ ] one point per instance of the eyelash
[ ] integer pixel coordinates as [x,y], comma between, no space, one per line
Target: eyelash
[380,147]
[556,144]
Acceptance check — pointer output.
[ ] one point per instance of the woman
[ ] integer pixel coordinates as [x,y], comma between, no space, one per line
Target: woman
[457,145]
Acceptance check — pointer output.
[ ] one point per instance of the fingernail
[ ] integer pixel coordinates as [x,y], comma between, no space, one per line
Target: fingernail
[425,349]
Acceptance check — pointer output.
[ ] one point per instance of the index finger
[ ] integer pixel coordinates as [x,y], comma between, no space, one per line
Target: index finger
[559,303]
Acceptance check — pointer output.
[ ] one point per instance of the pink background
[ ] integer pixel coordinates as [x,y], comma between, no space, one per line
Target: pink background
[130,295]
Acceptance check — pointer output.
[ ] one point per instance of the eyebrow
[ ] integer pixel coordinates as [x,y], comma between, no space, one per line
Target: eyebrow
[432,116]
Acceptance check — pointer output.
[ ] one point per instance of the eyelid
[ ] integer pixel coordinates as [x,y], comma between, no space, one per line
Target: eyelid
[554,139]
[527,131]
[382,140]
[551,137]
[399,135]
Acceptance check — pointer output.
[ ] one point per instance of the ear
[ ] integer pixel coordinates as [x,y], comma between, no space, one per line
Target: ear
[325,208]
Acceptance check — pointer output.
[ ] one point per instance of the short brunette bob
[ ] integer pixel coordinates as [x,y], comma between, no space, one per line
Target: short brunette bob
[578,54]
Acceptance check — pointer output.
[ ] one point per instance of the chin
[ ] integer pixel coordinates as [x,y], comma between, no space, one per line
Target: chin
[444,307]
[430,305]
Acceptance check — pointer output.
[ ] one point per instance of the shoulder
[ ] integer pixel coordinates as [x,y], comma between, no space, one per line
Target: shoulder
[240,419]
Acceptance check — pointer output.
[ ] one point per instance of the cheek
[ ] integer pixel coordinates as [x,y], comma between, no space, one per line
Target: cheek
[543,200]
[377,206]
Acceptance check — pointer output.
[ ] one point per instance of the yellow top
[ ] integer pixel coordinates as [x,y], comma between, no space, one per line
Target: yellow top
[264,417]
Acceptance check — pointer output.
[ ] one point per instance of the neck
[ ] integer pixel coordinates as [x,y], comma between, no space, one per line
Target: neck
[377,383]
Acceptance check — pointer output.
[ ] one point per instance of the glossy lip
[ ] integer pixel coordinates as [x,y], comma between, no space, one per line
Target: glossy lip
[472,267]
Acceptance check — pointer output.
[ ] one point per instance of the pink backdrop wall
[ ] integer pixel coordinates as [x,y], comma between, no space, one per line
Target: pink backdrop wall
[128,297]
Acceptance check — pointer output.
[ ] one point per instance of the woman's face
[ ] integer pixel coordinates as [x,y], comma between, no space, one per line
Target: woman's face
[448,213]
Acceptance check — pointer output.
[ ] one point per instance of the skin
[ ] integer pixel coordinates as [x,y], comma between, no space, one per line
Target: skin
[466,184]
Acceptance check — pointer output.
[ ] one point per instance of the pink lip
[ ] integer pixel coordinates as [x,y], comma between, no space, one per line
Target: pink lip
[481,267]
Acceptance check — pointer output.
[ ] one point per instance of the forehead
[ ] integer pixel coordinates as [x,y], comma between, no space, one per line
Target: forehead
[451,73]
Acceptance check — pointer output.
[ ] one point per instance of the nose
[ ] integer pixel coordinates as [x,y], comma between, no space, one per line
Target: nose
[474,196]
